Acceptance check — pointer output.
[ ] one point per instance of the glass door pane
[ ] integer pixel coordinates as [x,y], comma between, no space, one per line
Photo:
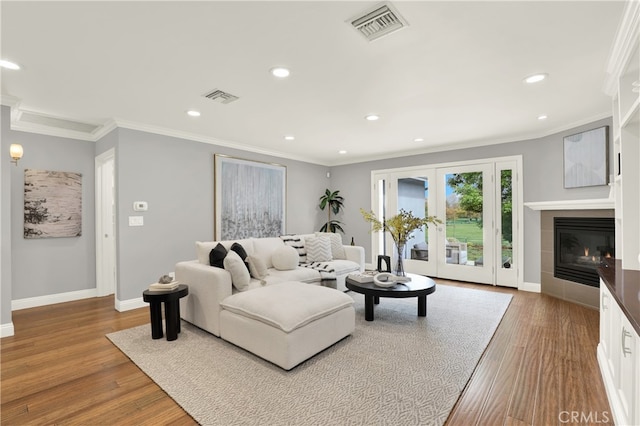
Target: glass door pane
[507,215]
[467,251]
[464,225]
[413,196]
[506,219]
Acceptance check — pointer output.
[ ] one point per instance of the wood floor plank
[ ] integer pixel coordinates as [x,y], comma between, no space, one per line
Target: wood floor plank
[60,369]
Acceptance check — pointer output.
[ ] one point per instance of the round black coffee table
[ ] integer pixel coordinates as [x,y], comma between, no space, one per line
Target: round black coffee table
[419,287]
[171,299]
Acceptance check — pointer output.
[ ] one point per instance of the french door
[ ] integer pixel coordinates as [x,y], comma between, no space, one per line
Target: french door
[479,205]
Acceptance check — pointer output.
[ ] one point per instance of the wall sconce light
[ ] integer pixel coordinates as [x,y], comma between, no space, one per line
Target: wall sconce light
[16,152]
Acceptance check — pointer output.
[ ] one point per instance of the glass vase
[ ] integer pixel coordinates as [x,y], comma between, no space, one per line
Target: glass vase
[400,260]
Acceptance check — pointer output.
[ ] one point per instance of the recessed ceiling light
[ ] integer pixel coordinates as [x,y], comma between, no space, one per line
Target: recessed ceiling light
[418,140]
[193,113]
[535,78]
[9,65]
[280,72]
[342,151]
[372,117]
[289,138]
[542,117]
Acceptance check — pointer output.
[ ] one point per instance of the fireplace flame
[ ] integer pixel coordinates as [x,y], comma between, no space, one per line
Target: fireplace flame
[586,251]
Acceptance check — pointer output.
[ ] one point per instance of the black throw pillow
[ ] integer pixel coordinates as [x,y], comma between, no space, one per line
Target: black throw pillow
[241,252]
[217,255]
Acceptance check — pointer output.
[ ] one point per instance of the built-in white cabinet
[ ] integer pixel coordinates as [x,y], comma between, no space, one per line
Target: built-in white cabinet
[619,359]
[623,84]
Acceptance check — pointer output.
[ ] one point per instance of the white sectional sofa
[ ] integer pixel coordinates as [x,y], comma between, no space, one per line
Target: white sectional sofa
[209,285]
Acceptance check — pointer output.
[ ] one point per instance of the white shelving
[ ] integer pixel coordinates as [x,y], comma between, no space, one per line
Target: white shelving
[624,86]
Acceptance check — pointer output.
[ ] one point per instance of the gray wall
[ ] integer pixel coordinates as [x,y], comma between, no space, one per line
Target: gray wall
[542,181]
[50,265]
[175,177]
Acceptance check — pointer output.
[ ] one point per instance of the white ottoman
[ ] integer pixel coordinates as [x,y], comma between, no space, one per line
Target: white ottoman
[287,323]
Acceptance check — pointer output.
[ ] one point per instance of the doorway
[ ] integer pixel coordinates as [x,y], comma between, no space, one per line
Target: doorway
[480,206]
[105,223]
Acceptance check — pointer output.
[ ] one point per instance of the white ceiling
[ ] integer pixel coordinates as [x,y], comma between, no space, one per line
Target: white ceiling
[453,76]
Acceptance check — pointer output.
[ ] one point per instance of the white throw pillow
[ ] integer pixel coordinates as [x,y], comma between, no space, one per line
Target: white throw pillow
[240,277]
[297,242]
[285,258]
[337,249]
[318,249]
[257,267]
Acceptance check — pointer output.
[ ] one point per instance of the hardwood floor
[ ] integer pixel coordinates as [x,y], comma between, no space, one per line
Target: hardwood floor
[539,369]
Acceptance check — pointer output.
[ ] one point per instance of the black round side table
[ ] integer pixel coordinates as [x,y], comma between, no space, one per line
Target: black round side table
[171,300]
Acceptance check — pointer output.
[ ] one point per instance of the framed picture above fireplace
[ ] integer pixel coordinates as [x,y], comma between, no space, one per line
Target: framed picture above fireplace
[586,159]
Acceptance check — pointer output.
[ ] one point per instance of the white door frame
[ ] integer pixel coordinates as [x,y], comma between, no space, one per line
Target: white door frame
[512,277]
[105,223]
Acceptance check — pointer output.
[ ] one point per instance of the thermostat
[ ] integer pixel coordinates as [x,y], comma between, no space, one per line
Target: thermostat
[140,206]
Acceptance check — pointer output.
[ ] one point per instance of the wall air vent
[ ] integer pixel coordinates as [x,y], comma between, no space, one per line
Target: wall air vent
[221,97]
[381,21]
[33,118]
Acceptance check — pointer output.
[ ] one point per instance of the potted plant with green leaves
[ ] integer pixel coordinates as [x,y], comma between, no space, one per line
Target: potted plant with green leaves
[333,202]
[400,226]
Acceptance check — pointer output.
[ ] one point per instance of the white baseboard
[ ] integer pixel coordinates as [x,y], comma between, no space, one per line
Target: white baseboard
[7,330]
[532,287]
[32,302]
[127,305]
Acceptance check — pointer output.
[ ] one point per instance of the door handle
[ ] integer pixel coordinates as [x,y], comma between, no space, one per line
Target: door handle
[625,350]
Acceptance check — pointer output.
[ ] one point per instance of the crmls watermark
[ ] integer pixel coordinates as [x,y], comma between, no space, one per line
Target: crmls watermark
[584,417]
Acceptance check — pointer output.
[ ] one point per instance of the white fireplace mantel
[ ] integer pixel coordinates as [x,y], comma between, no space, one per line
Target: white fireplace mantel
[598,204]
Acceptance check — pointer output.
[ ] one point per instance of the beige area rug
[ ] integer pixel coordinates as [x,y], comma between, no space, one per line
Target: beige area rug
[397,370]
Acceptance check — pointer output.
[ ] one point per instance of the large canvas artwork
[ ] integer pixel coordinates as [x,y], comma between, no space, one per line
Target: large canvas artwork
[250,198]
[585,158]
[52,204]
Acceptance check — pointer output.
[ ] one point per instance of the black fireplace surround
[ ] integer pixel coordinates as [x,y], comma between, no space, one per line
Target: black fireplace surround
[580,246]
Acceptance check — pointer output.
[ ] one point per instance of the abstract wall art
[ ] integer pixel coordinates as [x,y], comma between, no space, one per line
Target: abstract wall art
[52,204]
[250,198]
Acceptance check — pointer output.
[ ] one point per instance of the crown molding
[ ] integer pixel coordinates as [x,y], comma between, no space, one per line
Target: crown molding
[626,37]
[209,140]
[10,101]
[476,143]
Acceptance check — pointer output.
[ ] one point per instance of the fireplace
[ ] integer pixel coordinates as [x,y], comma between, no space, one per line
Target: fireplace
[580,245]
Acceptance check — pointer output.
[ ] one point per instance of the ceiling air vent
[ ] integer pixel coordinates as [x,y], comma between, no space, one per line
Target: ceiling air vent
[380,21]
[220,96]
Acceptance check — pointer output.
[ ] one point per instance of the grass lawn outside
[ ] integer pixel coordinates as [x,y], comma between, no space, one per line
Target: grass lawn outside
[471,233]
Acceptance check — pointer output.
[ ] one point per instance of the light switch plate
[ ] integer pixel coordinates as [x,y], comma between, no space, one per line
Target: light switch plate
[136,220]
[140,206]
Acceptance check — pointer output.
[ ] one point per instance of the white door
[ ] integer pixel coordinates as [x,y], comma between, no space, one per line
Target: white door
[105,224]
[465,204]
[480,204]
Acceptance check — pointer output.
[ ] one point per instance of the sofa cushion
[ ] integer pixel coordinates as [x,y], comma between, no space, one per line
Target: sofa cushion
[239,273]
[297,242]
[337,249]
[257,267]
[288,305]
[343,267]
[203,248]
[318,249]
[264,247]
[217,255]
[285,258]
[237,247]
